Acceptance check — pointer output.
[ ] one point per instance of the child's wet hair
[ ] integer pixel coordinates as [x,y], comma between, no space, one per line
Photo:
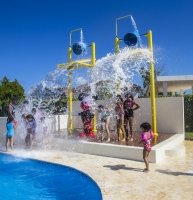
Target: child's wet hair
[29,117]
[10,118]
[118,97]
[42,118]
[129,96]
[33,110]
[100,107]
[146,126]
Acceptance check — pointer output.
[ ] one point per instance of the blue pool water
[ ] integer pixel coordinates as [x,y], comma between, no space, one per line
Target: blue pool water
[27,179]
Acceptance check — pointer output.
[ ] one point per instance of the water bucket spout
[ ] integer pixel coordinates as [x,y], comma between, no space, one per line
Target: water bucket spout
[130,39]
[79,48]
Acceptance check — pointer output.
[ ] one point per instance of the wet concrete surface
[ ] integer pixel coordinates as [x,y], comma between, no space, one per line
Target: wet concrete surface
[121,179]
[114,138]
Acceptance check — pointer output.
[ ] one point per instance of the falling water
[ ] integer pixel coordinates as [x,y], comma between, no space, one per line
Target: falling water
[123,67]
[136,31]
[81,36]
[101,80]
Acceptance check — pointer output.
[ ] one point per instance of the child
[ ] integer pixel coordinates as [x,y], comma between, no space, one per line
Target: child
[86,115]
[129,107]
[44,126]
[10,126]
[30,123]
[11,109]
[120,117]
[104,116]
[45,140]
[146,137]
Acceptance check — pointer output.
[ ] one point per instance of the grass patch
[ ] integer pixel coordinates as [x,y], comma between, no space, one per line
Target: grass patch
[189,135]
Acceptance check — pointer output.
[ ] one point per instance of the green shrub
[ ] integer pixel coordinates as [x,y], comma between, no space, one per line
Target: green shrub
[188,113]
[189,135]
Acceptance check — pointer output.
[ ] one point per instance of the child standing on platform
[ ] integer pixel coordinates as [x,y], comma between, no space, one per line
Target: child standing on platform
[129,106]
[119,110]
[104,115]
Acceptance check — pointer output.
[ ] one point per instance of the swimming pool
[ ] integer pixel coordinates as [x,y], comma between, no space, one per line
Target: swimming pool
[27,179]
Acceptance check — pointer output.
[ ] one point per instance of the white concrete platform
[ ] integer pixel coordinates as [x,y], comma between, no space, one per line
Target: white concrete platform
[157,154]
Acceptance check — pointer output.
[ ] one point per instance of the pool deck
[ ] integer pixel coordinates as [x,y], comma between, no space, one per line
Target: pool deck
[121,179]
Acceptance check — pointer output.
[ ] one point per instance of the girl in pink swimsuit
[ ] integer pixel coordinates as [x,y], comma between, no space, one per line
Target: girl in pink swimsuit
[146,137]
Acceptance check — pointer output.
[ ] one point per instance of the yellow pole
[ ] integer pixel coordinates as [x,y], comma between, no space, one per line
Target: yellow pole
[117,51]
[94,124]
[116,44]
[120,133]
[70,125]
[152,84]
[93,49]
[93,60]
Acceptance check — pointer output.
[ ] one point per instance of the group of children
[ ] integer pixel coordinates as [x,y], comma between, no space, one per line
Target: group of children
[124,117]
[124,111]
[30,126]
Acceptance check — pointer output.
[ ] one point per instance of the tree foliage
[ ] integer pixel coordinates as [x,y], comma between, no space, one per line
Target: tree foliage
[188,114]
[10,91]
[51,100]
[145,75]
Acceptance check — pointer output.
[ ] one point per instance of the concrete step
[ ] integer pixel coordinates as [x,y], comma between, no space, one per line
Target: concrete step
[178,150]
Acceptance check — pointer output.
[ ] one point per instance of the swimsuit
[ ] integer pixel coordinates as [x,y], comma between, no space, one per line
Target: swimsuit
[87,117]
[146,140]
[10,129]
[104,115]
[119,112]
[128,107]
[31,126]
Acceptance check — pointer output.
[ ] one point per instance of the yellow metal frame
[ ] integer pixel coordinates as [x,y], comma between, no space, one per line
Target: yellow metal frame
[117,41]
[75,65]
[152,74]
[152,84]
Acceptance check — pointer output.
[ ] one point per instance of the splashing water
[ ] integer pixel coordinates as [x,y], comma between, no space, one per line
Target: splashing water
[42,98]
[104,77]
[101,80]
[122,66]
[83,45]
[136,31]
[81,36]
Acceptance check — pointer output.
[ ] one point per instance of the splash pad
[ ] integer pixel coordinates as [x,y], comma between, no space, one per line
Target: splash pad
[111,75]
